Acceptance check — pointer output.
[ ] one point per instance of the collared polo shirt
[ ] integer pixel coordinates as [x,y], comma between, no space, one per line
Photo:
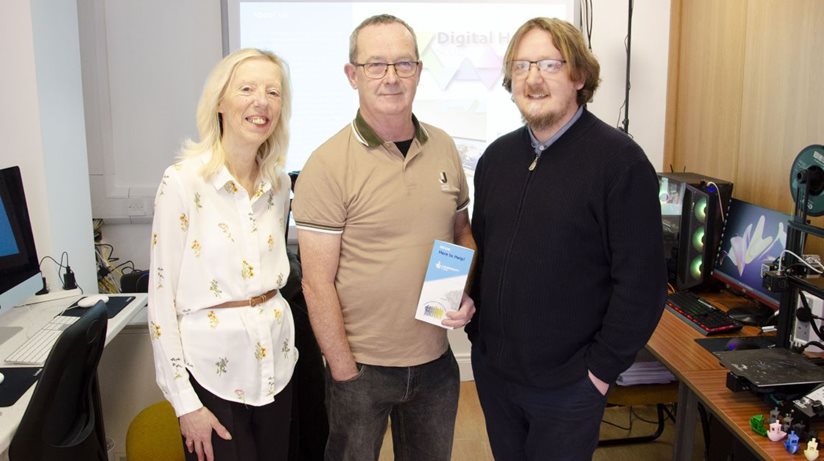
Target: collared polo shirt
[388,209]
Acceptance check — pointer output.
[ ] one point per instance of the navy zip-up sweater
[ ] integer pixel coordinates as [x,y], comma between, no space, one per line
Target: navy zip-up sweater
[570,273]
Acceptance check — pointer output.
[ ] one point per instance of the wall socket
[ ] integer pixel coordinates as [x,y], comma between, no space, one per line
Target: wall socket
[136,207]
[802,331]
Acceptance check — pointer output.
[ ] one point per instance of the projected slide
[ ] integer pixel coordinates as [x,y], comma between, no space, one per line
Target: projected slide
[461,45]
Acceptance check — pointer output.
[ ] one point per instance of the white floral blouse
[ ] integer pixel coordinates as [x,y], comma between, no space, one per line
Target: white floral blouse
[211,243]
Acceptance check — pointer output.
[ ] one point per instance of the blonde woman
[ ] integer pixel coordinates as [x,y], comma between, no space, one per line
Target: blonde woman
[222,335]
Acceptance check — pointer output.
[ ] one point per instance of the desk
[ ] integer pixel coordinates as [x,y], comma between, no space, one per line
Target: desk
[31,318]
[701,377]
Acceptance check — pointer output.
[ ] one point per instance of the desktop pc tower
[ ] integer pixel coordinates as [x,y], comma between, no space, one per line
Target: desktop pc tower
[692,210]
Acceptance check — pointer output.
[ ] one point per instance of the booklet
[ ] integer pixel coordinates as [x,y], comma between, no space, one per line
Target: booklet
[443,286]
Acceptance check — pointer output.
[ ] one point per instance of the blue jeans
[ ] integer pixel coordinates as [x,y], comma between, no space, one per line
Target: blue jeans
[530,423]
[421,402]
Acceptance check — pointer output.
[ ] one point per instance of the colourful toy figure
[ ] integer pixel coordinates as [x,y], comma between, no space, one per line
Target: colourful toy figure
[811,453]
[775,433]
[791,444]
[757,425]
[774,415]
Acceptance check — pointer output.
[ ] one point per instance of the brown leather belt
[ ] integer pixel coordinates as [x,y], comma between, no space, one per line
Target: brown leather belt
[253,301]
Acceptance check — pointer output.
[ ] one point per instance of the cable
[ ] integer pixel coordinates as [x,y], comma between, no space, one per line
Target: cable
[812,343]
[118,267]
[800,261]
[628,46]
[585,16]
[629,422]
[60,265]
[805,314]
[639,418]
[720,203]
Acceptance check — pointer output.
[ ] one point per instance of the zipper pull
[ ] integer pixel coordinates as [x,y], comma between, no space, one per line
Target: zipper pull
[534,162]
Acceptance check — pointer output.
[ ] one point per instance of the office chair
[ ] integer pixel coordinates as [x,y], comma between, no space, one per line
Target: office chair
[64,419]
[154,434]
[642,394]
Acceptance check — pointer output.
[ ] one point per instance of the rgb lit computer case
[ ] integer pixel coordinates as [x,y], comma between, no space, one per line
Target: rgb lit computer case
[691,215]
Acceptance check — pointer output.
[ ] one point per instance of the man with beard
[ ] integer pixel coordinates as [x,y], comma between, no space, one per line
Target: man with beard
[570,279]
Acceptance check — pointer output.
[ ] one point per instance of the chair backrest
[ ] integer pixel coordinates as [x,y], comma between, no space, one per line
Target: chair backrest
[64,418]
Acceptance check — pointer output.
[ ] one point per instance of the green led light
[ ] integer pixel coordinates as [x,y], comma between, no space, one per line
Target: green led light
[701,210]
[697,267]
[698,239]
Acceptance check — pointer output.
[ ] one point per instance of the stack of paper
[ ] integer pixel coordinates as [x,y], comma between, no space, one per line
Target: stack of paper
[651,372]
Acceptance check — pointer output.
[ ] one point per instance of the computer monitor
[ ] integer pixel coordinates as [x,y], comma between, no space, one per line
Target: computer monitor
[19,268]
[753,236]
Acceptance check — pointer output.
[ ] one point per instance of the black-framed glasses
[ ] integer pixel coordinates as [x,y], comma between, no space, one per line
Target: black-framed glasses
[520,68]
[403,69]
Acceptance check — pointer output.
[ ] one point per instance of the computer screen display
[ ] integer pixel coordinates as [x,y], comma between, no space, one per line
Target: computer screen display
[752,236]
[18,256]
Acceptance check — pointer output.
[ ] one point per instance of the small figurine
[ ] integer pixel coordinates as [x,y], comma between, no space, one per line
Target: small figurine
[774,415]
[775,433]
[791,444]
[811,453]
[788,422]
[757,425]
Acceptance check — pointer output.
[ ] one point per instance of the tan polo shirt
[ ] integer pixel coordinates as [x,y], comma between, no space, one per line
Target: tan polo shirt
[388,210]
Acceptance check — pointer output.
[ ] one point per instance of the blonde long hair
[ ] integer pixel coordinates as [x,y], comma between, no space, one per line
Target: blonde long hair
[272,153]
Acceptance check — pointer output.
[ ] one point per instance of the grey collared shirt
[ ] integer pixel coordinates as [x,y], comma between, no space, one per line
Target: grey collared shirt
[540,147]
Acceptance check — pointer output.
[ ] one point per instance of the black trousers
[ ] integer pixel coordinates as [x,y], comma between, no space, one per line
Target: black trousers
[258,433]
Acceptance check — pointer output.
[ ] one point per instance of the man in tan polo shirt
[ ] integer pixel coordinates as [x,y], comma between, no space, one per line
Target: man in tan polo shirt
[369,204]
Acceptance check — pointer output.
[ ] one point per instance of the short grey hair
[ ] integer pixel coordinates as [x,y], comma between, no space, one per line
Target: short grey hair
[373,20]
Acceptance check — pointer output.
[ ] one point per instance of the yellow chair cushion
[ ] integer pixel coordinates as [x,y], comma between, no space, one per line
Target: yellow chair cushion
[154,435]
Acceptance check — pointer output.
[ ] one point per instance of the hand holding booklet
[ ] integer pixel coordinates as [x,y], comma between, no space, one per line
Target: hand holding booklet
[444,283]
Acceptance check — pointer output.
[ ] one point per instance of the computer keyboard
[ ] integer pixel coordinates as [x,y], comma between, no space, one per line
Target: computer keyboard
[36,349]
[702,315]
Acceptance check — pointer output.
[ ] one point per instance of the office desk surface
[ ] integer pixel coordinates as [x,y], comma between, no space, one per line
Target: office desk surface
[673,342]
[29,319]
[735,409]
[701,376]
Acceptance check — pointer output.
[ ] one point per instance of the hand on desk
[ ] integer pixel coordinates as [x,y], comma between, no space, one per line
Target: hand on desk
[196,428]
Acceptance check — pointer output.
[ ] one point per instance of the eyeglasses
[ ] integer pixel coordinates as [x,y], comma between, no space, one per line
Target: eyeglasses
[403,69]
[547,66]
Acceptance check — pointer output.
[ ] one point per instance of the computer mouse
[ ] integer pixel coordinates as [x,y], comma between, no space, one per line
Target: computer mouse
[2,378]
[755,316]
[737,344]
[91,300]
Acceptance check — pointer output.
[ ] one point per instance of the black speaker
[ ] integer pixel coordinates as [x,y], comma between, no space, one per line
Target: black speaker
[136,281]
[691,238]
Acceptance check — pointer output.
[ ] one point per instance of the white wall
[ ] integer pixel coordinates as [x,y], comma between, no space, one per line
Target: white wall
[650,58]
[20,120]
[42,128]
